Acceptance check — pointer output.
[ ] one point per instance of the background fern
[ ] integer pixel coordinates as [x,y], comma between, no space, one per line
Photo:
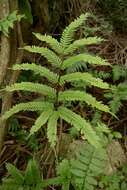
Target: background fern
[8,22]
[89,164]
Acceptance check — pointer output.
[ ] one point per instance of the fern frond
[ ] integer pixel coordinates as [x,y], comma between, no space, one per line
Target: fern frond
[71,95]
[87,58]
[15,173]
[81,43]
[32,87]
[10,184]
[81,125]
[8,22]
[29,106]
[37,69]
[53,43]
[68,33]
[88,165]
[52,128]
[47,53]
[41,120]
[86,77]
[32,174]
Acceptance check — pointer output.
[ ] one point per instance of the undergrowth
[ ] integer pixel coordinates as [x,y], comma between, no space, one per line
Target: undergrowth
[67,82]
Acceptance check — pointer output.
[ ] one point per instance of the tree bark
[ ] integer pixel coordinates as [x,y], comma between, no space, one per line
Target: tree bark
[4,59]
[10,54]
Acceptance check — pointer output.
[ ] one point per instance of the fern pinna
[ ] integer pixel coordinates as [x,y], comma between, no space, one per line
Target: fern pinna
[61,55]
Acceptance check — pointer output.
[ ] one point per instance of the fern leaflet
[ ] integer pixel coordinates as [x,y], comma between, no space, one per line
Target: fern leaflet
[32,87]
[15,173]
[41,120]
[81,43]
[37,69]
[87,58]
[70,95]
[86,77]
[32,174]
[52,128]
[47,53]
[53,43]
[29,106]
[80,124]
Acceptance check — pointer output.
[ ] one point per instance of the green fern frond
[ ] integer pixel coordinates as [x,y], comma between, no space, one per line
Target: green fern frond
[41,120]
[77,67]
[81,43]
[37,69]
[47,53]
[32,87]
[8,22]
[86,77]
[9,184]
[15,173]
[71,95]
[87,58]
[81,125]
[68,33]
[52,128]
[32,174]
[88,165]
[53,43]
[29,106]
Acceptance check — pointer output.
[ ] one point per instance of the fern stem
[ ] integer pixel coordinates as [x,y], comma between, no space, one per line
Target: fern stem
[58,86]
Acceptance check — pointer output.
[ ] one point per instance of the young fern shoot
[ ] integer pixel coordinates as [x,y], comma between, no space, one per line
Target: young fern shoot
[61,55]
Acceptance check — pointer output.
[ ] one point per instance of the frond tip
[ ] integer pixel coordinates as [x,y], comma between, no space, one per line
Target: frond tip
[68,33]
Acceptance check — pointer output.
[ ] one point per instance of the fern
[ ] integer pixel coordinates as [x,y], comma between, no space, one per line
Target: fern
[88,165]
[30,179]
[116,96]
[15,173]
[63,170]
[55,94]
[8,22]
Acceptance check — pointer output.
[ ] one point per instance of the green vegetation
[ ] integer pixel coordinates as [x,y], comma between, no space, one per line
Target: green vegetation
[63,100]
